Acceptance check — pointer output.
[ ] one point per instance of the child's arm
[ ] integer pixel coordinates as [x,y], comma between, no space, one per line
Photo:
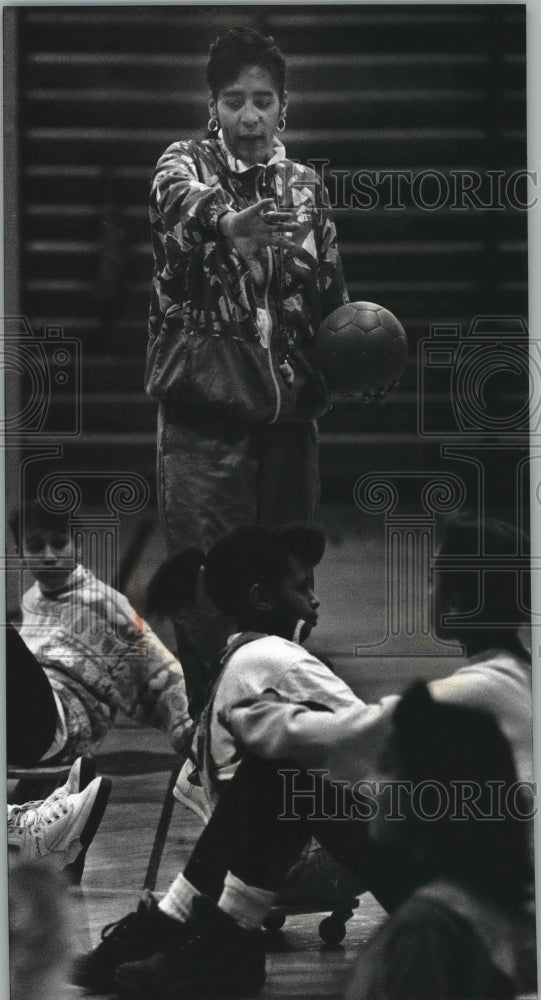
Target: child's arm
[301,710]
[165,698]
[149,681]
[347,741]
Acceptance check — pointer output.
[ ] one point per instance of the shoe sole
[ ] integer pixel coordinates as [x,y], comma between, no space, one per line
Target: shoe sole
[87,772]
[96,983]
[189,989]
[74,871]
[99,986]
[96,813]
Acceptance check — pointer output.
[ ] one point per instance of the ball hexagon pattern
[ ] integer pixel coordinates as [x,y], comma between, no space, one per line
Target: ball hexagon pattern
[361,347]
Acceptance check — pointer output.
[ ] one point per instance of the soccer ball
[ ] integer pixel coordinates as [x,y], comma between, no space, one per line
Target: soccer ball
[361,348]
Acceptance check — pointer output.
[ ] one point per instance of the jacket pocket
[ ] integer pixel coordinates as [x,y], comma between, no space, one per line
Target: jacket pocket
[169,356]
[227,376]
[231,377]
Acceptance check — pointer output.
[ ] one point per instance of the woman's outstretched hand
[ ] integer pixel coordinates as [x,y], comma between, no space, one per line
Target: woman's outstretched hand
[260,225]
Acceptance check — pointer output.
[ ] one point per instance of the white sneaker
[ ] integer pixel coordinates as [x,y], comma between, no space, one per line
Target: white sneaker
[82,773]
[189,790]
[56,832]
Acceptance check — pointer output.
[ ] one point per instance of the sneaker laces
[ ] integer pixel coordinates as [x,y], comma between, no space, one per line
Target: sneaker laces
[14,814]
[120,928]
[44,814]
[32,804]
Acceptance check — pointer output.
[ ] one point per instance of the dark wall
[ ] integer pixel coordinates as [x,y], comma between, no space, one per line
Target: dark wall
[410,106]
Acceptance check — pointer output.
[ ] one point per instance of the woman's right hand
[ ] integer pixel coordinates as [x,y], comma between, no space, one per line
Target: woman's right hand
[260,223]
[255,227]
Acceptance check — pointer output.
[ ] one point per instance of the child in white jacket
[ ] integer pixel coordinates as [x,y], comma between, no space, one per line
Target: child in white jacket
[264,580]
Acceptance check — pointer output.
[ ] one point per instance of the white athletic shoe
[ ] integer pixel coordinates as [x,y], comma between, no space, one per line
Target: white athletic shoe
[190,792]
[82,772]
[56,832]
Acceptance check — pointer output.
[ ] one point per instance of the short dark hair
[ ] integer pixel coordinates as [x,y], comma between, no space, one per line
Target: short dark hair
[245,557]
[257,555]
[468,536]
[33,517]
[440,745]
[239,48]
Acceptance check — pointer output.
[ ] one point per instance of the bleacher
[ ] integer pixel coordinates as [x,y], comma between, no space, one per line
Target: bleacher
[376,88]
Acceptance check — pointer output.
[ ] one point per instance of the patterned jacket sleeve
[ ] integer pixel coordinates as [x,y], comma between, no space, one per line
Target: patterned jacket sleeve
[148,679]
[188,210]
[165,698]
[332,287]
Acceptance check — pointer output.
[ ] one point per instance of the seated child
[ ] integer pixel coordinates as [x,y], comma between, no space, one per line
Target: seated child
[264,579]
[245,851]
[467,931]
[496,677]
[98,655]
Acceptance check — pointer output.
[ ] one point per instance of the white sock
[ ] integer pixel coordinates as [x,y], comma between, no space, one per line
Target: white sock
[177,902]
[247,904]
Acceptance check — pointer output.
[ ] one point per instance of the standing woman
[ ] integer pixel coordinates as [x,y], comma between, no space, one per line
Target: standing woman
[245,268]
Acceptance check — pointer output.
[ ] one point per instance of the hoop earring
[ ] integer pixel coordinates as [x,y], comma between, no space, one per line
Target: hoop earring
[213,124]
[281,124]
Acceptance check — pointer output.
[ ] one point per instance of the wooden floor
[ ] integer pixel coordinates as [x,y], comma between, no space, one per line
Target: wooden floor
[351,585]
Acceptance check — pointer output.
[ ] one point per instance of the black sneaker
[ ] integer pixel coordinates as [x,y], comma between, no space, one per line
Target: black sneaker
[137,935]
[216,958]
